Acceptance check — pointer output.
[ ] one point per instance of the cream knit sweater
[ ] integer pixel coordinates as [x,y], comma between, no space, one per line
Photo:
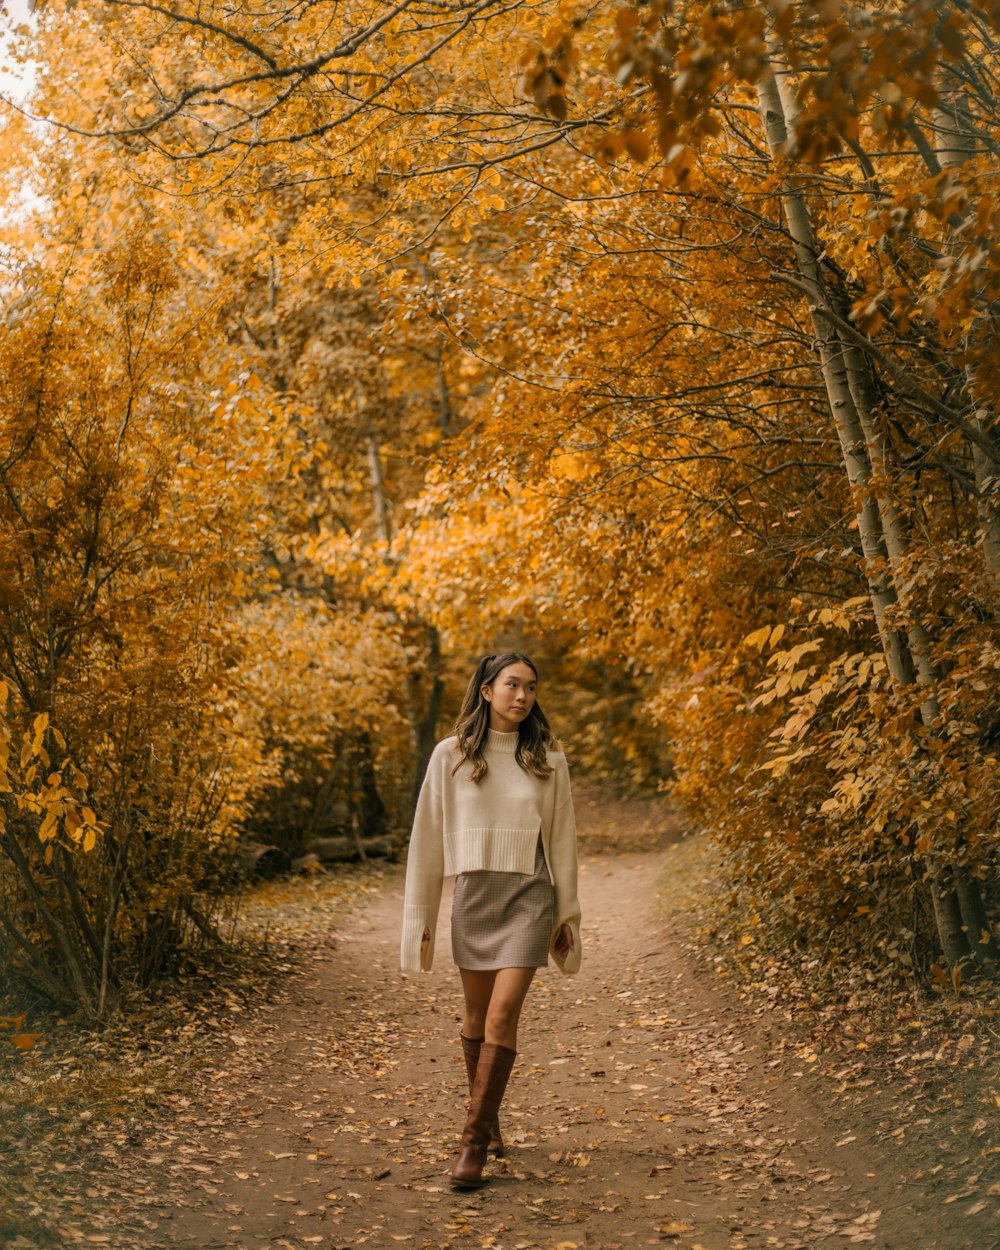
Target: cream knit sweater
[465,826]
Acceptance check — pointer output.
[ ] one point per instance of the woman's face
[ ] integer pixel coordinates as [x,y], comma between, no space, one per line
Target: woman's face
[511,696]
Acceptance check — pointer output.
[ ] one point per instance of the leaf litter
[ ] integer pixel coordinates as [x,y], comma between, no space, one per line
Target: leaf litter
[319,1104]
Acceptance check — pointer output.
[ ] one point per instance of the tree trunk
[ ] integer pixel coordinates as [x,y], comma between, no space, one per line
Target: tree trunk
[893,527]
[369,815]
[948,917]
[954,144]
[376,471]
[847,382]
[850,431]
[979,935]
[445,409]
[427,729]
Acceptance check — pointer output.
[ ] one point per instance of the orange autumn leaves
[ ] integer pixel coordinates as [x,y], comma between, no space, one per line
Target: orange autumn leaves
[12,1027]
[561,334]
[25,776]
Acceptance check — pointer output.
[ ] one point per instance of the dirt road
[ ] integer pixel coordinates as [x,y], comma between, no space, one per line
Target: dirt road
[643,1110]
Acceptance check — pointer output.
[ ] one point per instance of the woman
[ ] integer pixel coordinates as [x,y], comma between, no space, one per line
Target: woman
[495,811]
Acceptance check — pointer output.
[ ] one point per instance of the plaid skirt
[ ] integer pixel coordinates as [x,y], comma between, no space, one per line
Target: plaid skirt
[503,919]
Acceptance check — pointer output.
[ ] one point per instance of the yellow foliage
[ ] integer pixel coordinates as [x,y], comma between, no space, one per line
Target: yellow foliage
[395,367]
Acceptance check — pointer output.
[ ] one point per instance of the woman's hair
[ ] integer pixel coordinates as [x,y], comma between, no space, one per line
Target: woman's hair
[473,724]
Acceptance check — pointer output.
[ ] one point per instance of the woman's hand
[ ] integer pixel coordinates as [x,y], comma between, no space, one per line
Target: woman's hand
[564,941]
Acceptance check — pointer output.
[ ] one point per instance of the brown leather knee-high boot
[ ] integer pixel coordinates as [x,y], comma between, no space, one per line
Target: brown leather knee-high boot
[492,1074]
[470,1049]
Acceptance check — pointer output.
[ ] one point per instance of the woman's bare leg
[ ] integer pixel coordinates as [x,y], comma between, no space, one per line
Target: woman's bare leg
[477,987]
[493,1002]
[509,992]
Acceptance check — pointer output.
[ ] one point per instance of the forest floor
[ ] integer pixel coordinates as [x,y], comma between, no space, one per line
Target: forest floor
[654,1101]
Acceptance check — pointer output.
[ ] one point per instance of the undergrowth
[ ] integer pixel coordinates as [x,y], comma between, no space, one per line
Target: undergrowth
[916,1065]
[81,1095]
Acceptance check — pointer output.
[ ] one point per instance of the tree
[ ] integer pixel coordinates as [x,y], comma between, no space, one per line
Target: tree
[748,272]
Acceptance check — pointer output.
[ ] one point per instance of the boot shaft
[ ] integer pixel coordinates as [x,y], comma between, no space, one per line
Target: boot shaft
[492,1074]
[471,1047]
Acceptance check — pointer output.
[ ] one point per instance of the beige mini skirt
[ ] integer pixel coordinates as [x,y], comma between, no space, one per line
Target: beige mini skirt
[503,919]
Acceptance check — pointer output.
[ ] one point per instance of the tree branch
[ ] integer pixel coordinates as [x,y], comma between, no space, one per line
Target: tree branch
[901,375]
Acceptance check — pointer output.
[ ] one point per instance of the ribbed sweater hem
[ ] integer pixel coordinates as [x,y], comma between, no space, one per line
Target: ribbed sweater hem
[490,850]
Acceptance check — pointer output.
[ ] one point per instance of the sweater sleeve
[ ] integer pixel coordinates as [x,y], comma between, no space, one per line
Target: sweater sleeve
[563,865]
[424,873]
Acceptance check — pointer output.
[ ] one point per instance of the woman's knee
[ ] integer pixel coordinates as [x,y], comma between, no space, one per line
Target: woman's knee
[477,990]
[474,1024]
[503,1015]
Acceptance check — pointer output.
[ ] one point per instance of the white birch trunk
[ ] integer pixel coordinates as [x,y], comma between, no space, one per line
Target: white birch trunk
[376,471]
[857,372]
[880,530]
[953,146]
[842,406]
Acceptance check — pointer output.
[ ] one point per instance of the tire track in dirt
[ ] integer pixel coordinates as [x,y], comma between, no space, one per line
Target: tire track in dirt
[643,1110]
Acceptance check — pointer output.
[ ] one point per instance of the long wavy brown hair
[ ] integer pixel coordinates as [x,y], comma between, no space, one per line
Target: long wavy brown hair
[473,725]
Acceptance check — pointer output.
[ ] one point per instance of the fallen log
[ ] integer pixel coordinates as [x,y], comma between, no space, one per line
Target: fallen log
[345,850]
[255,859]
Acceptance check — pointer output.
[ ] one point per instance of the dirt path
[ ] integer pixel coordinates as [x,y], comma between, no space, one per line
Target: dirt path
[641,1112]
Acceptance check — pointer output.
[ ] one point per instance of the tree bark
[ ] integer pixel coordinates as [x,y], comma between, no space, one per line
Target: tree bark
[948,917]
[883,541]
[376,471]
[843,409]
[369,815]
[979,935]
[954,145]
[427,729]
